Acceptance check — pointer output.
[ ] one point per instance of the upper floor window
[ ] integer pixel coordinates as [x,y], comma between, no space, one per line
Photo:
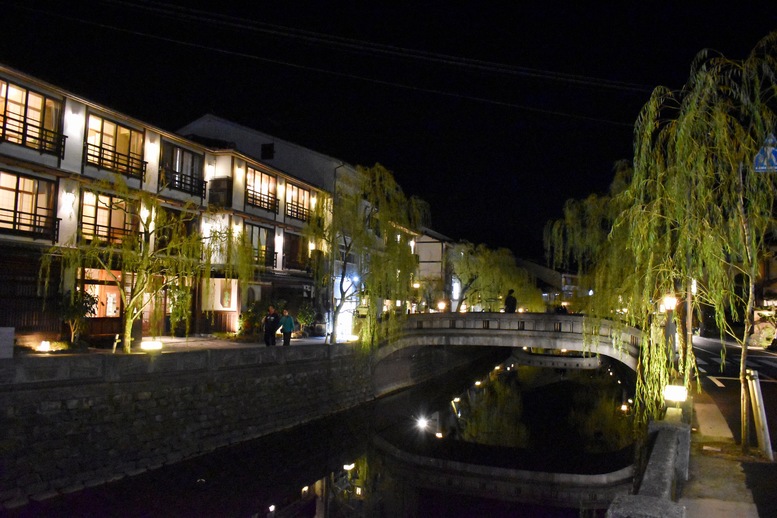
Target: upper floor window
[294,252]
[27,206]
[107,217]
[261,239]
[112,146]
[181,170]
[31,119]
[261,190]
[297,202]
[172,227]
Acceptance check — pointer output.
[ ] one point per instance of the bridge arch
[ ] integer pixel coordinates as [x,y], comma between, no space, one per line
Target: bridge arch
[517,330]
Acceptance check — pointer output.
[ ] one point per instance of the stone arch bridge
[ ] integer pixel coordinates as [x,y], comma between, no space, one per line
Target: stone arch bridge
[545,331]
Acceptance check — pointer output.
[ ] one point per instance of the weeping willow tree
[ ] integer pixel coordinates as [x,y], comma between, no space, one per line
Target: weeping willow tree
[692,220]
[367,227]
[156,254]
[487,274]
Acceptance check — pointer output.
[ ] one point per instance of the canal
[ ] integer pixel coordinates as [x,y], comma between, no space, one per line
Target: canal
[380,459]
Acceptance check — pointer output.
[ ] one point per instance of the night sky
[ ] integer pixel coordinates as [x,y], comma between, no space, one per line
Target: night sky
[495,116]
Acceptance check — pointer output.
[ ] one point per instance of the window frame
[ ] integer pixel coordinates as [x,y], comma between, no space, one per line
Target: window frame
[113,234]
[100,147]
[263,254]
[261,189]
[176,174]
[41,220]
[297,202]
[44,133]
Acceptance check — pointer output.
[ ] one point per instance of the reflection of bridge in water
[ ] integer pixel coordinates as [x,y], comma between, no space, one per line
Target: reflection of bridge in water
[546,340]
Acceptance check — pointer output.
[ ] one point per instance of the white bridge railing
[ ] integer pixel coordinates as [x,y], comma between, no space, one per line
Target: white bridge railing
[533,330]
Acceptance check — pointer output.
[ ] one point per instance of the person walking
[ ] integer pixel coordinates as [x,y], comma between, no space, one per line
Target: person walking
[272,321]
[287,327]
[510,302]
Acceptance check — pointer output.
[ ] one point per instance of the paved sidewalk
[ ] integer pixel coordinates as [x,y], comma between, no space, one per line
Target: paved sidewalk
[171,343]
[717,483]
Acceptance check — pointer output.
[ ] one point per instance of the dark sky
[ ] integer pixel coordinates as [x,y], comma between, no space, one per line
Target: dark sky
[495,115]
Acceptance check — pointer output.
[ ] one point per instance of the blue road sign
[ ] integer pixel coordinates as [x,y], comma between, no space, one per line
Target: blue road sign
[766,159]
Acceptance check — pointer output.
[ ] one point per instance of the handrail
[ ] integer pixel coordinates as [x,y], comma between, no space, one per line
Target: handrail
[105,157]
[22,131]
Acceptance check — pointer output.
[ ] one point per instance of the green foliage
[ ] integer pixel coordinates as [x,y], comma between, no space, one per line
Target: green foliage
[163,257]
[366,230]
[250,323]
[497,417]
[306,314]
[692,209]
[487,274]
[76,307]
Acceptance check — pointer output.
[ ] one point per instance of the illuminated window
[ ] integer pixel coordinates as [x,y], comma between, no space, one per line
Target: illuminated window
[297,202]
[27,206]
[102,286]
[261,243]
[181,169]
[112,146]
[30,119]
[107,217]
[261,190]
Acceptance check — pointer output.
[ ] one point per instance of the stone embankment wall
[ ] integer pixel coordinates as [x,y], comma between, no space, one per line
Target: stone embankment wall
[73,421]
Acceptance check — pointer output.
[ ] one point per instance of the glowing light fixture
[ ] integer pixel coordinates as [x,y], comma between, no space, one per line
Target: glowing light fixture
[151,346]
[349,467]
[441,305]
[438,435]
[44,347]
[422,423]
[675,393]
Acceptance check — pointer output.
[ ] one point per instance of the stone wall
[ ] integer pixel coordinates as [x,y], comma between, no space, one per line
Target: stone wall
[73,421]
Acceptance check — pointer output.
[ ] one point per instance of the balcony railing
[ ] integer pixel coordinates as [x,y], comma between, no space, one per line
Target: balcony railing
[172,179]
[297,211]
[129,164]
[266,257]
[112,235]
[261,200]
[37,226]
[30,134]
[292,263]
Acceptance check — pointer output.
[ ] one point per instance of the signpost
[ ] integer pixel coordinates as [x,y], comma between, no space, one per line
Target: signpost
[766,159]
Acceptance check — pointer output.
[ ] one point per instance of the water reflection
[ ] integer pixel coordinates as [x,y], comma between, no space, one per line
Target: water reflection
[378,461]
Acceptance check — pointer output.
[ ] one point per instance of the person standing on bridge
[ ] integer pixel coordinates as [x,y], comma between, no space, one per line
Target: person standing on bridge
[287,326]
[510,302]
[272,321]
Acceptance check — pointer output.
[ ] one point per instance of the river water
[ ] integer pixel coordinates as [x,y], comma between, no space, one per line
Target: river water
[495,414]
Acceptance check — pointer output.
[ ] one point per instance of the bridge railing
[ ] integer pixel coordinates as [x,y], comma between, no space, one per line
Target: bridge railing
[556,330]
[520,322]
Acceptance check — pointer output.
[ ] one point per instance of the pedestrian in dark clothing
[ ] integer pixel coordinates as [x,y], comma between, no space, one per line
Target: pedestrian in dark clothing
[510,302]
[272,321]
[287,327]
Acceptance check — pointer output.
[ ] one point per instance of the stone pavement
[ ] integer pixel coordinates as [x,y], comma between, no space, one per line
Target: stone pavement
[718,485]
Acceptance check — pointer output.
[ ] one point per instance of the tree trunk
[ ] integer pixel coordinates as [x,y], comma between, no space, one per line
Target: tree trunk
[127,342]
